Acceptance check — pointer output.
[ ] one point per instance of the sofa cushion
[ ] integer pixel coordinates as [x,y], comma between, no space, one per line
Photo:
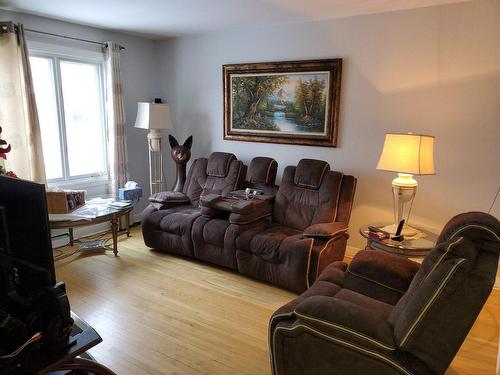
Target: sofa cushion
[388,270]
[363,319]
[230,182]
[379,308]
[334,274]
[218,164]
[195,181]
[214,231]
[166,197]
[178,220]
[309,173]
[266,243]
[322,288]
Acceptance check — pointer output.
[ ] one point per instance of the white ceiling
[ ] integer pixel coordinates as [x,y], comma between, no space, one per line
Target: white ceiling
[163,18]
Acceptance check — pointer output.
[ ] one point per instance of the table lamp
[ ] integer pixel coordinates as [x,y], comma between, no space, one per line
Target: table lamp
[407,154]
[154,116]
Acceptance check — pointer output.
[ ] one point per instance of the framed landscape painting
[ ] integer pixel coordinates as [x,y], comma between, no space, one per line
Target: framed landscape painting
[295,102]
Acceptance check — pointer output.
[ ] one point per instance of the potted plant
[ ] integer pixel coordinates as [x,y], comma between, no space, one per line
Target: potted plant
[4,150]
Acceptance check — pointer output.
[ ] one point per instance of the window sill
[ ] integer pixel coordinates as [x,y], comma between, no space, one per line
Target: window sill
[82,183]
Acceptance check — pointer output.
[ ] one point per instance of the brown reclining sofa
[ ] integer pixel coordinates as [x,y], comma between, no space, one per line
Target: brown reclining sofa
[286,237]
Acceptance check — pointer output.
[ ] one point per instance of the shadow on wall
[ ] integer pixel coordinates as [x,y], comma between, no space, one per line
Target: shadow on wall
[455,43]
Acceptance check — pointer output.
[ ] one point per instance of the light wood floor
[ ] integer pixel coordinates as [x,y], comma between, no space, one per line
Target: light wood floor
[161,314]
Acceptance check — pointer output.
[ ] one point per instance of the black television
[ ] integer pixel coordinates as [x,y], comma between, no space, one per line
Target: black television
[25,235]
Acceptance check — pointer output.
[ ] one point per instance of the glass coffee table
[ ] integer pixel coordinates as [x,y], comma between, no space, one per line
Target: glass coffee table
[91,214]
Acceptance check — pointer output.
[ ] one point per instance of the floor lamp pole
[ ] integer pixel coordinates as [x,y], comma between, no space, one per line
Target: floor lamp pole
[156,180]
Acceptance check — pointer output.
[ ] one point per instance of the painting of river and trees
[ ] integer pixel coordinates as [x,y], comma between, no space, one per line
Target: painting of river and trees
[290,102]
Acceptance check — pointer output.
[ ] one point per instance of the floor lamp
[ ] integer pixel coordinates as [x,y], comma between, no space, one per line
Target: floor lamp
[406,154]
[154,116]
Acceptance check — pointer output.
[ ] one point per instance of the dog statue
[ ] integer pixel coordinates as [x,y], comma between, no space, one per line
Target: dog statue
[181,155]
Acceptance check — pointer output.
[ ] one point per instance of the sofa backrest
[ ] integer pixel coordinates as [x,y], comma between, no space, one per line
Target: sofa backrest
[434,316]
[262,175]
[308,194]
[346,199]
[221,173]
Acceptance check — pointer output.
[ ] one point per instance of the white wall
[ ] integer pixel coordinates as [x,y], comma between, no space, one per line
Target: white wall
[138,75]
[434,70]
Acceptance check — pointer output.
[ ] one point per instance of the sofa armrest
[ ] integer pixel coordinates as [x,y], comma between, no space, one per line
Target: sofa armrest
[241,212]
[244,219]
[169,198]
[209,199]
[249,211]
[325,230]
[381,269]
[346,320]
[245,207]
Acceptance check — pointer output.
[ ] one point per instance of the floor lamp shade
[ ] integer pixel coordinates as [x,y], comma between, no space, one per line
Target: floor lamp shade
[154,117]
[407,154]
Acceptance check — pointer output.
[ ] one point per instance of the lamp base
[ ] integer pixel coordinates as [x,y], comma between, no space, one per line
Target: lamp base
[156,180]
[154,140]
[404,188]
[407,230]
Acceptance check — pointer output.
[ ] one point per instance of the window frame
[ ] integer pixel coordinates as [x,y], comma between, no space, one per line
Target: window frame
[56,58]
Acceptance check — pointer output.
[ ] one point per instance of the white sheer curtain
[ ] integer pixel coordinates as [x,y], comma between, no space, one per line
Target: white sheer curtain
[117,146]
[18,114]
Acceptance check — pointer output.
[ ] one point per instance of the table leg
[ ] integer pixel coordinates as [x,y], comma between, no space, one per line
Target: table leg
[114,231]
[71,238]
[127,223]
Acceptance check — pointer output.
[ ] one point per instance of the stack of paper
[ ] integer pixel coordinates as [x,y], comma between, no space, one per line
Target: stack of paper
[120,204]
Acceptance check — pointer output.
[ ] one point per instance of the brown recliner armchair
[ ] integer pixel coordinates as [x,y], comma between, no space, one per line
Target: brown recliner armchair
[168,220]
[384,314]
[310,218]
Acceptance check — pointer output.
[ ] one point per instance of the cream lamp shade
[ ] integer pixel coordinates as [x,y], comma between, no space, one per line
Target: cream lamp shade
[153,116]
[408,153]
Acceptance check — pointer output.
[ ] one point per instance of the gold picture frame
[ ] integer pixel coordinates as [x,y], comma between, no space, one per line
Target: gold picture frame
[291,102]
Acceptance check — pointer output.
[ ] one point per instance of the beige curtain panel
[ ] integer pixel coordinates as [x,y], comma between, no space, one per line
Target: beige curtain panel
[18,113]
[117,140]
[117,146]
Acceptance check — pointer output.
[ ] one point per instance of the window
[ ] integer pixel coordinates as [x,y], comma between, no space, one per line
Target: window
[70,101]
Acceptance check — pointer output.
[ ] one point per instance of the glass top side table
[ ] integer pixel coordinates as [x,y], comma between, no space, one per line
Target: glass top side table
[412,247]
[94,212]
